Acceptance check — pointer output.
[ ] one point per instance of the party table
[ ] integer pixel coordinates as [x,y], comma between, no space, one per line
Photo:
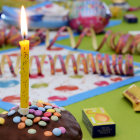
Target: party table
[127,121]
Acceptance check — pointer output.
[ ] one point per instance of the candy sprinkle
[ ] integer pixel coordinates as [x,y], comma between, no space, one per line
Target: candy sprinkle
[42,123]
[57,110]
[31,131]
[40,101]
[48,107]
[36,119]
[23,119]
[38,112]
[47,114]
[51,110]
[2,121]
[46,119]
[54,118]
[16,119]
[41,108]
[21,125]
[48,133]
[33,107]
[12,112]
[57,114]
[30,116]
[31,111]
[63,130]
[56,132]
[39,104]
[29,122]
[47,103]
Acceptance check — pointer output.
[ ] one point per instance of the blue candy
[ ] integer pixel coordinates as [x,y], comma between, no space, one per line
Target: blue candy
[57,132]
[48,107]
[12,112]
[41,108]
[16,119]
[34,107]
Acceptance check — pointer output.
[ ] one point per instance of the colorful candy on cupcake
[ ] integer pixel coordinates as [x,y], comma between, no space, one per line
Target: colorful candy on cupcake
[45,121]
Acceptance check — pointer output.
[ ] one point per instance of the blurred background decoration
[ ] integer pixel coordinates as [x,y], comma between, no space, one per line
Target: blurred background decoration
[64,3]
[122,4]
[46,14]
[89,13]
[17,3]
[118,1]
[57,13]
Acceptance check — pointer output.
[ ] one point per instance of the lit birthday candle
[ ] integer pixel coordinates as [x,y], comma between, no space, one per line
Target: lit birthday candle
[24,80]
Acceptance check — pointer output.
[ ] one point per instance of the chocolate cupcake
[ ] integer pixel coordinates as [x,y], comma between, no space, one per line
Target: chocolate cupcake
[45,121]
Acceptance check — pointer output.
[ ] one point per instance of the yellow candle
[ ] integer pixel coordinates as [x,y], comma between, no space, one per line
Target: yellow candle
[24,79]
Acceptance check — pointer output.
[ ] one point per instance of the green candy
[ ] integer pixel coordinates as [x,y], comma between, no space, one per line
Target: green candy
[30,116]
[57,110]
[28,122]
[42,123]
[31,131]
[54,118]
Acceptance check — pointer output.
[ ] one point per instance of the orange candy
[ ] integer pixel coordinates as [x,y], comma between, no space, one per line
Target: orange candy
[47,103]
[23,119]
[36,120]
[39,104]
[21,125]
[48,133]
[57,114]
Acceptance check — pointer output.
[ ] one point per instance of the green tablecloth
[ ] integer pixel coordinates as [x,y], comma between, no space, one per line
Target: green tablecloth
[127,121]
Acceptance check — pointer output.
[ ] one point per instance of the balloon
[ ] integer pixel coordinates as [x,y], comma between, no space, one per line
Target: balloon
[89,13]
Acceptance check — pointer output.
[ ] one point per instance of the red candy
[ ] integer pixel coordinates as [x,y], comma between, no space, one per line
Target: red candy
[47,114]
[29,103]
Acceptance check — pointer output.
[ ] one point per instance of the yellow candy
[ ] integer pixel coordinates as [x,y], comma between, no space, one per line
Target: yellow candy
[2,121]
[40,101]
[51,110]
[4,112]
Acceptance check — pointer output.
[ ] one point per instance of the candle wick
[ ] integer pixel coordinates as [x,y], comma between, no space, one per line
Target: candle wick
[24,37]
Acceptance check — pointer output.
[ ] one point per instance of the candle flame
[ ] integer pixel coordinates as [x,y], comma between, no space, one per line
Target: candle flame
[23,22]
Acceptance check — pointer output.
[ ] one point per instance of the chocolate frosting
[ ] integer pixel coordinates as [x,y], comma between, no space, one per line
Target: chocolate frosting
[10,131]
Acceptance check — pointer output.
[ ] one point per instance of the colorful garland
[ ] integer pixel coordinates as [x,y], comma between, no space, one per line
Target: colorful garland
[97,64]
[125,44]
[13,37]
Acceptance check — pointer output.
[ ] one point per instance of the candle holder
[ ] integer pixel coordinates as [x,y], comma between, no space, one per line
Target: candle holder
[24,111]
